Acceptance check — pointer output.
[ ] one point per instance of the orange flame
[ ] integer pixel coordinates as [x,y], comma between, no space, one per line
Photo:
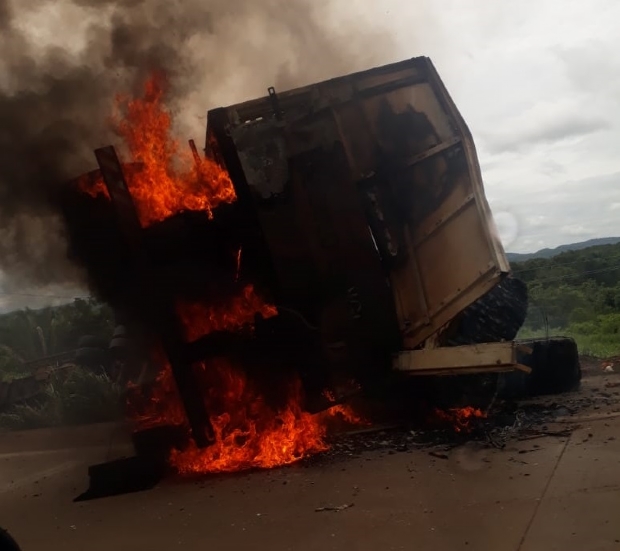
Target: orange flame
[158,405]
[348,414]
[169,180]
[249,433]
[344,411]
[460,418]
[200,319]
[238,269]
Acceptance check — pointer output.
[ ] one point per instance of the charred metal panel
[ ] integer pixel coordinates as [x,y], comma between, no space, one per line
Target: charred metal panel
[311,214]
[114,179]
[356,302]
[256,259]
[263,156]
[282,209]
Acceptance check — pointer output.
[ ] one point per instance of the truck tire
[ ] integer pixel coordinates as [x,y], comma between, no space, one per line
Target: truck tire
[555,369]
[496,316]
[555,365]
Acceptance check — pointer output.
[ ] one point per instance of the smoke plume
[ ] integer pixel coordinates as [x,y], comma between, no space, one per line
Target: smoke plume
[63,62]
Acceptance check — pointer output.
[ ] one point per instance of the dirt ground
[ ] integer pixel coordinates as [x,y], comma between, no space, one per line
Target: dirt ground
[540,493]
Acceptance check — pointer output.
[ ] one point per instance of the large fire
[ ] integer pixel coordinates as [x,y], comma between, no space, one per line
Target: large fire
[201,319]
[166,179]
[248,432]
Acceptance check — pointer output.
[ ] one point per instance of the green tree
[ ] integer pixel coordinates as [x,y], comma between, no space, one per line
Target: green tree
[575,293]
[27,335]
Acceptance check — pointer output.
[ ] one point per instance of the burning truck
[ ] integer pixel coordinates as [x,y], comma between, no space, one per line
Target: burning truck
[327,239]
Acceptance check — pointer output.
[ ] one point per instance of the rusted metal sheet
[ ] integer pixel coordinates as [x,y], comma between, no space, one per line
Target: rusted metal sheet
[368,182]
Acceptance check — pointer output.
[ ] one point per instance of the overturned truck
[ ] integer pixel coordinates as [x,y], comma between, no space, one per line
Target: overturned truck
[360,214]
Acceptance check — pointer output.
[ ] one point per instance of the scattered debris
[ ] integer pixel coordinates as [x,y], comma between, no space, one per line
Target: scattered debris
[555,416]
[333,508]
[438,455]
[532,434]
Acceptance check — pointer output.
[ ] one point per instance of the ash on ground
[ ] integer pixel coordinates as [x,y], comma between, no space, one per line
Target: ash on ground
[505,422]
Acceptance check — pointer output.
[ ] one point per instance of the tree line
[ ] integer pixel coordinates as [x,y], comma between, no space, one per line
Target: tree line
[27,335]
[576,293]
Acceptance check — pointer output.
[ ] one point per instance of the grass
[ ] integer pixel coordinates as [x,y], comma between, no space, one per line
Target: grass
[83,397]
[598,345]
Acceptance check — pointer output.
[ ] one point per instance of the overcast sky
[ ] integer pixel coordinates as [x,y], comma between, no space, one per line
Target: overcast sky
[538,83]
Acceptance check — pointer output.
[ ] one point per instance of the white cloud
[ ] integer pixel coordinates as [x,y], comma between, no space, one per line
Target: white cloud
[539,86]
[576,230]
[537,82]
[537,220]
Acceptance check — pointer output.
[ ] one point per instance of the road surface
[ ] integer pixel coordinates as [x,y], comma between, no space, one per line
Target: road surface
[535,495]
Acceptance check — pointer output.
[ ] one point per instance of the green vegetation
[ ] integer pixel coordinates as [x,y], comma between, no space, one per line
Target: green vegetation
[27,335]
[83,397]
[576,294]
[72,396]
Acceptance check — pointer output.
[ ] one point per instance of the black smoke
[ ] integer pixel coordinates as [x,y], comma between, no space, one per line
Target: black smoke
[57,93]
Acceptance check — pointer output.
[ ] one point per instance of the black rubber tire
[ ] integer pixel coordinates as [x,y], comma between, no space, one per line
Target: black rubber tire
[555,366]
[495,317]
[555,369]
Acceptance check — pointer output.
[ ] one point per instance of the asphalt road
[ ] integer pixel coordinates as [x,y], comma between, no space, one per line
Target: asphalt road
[543,494]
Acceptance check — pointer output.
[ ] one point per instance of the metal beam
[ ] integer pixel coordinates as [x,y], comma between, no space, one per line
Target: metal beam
[435,150]
[469,359]
[114,179]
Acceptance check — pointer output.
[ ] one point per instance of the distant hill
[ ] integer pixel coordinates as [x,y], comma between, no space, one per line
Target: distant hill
[550,253]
